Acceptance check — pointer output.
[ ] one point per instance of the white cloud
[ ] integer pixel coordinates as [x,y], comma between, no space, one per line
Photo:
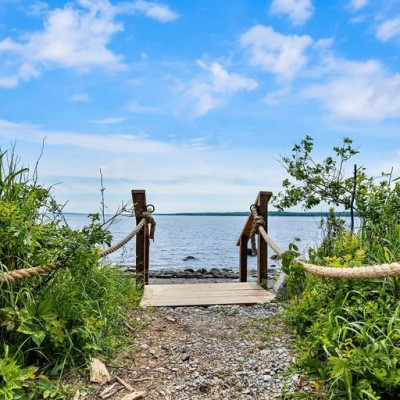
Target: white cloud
[171,174]
[128,143]
[358,90]
[37,8]
[157,11]
[298,11]
[135,107]
[276,97]
[76,36]
[199,144]
[211,90]
[357,4]
[136,81]
[108,121]
[324,43]
[283,55]
[9,81]
[389,29]
[358,19]
[79,97]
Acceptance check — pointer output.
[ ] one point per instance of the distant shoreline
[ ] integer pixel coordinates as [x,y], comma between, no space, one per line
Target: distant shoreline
[270,213]
[245,213]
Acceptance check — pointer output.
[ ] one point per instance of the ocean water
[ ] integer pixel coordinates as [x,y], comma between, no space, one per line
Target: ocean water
[211,239]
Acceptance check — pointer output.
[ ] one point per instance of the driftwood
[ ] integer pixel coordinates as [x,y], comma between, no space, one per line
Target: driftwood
[127,385]
[98,372]
[107,390]
[133,396]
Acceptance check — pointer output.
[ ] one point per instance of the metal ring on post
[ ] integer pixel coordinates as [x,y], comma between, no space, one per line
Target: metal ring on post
[253,205]
[152,208]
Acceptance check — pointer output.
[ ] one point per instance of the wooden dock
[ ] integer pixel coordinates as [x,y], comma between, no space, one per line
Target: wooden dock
[205,294]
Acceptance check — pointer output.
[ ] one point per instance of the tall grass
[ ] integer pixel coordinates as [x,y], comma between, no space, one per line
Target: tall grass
[49,324]
[348,331]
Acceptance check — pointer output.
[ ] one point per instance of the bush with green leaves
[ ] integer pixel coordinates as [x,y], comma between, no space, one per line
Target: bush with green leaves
[348,331]
[52,323]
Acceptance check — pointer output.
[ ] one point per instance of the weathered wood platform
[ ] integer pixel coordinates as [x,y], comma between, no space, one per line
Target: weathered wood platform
[204,294]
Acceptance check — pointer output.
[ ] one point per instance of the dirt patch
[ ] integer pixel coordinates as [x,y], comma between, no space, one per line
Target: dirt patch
[219,352]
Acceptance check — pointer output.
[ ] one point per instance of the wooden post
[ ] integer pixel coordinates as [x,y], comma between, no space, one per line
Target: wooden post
[146,254]
[262,251]
[139,204]
[243,258]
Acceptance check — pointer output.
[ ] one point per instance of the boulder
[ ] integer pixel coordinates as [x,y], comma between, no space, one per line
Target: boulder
[188,258]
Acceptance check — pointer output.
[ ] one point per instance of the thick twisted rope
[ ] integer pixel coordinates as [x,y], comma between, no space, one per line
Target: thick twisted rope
[147,218]
[366,272]
[26,273]
[259,227]
[45,269]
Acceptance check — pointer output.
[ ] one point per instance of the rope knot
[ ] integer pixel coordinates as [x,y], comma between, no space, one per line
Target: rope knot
[258,221]
[150,220]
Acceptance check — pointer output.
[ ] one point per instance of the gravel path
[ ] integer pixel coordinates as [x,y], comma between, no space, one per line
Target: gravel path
[219,352]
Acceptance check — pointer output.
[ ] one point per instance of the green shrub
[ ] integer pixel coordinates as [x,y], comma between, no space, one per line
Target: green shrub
[55,322]
[348,331]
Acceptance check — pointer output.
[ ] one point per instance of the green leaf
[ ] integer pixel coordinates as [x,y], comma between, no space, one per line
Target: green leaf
[38,337]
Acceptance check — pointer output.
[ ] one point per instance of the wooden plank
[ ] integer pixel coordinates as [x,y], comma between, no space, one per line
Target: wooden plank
[205,294]
[206,301]
[222,293]
[205,286]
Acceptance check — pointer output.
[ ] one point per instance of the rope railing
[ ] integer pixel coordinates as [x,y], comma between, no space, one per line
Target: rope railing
[364,272]
[147,218]
[46,269]
[26,272]
[259,226]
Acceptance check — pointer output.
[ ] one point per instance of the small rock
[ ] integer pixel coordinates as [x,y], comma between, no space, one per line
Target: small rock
[251,253]
[185,357]
[144,346]
[152,352]
[280,285]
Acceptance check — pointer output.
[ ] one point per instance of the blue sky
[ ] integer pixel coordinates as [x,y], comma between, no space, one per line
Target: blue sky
[194,101]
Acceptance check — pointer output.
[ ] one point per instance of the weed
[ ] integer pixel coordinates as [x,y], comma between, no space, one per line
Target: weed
[348,331]
[49,324]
